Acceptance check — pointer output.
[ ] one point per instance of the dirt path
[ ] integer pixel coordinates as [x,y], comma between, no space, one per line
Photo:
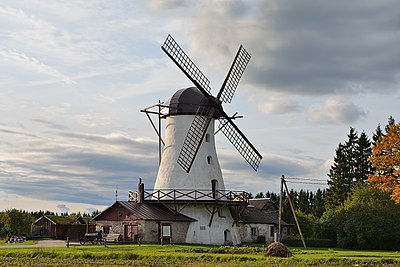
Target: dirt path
[40,244]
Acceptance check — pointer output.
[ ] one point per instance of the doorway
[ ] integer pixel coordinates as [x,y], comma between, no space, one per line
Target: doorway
[227,237]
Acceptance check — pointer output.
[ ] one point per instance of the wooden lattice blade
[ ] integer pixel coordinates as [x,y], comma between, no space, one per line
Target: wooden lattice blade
[240,142]
[195,135]
[182,60]
[232,79]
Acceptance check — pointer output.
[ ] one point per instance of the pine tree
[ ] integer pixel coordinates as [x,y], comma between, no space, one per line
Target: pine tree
[336,192]
[303,202]
[391,121]
[363,152]
[318,207]
[343,172]
[378,134]
[259,195]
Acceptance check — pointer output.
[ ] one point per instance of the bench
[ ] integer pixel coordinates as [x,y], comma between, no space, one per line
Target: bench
[112,237]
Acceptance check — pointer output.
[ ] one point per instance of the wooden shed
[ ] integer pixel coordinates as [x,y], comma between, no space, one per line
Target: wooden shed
[61,227]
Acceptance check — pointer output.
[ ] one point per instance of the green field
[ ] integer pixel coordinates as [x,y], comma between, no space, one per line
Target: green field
[189,255]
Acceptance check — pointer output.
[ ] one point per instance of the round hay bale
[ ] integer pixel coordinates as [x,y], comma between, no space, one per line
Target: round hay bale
[277,249]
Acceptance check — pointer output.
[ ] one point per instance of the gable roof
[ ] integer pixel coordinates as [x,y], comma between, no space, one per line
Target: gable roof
[147,211]
[261,210]
[263,204]
[254,215]
[63,220]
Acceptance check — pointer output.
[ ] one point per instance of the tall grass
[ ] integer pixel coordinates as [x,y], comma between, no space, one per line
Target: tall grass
[189,255]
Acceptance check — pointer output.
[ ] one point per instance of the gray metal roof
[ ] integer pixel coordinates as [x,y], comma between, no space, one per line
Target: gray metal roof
[254,215]
[187,101]
[154,212]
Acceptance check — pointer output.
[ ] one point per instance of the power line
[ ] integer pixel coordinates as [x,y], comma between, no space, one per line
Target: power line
[307,179]
[297,182]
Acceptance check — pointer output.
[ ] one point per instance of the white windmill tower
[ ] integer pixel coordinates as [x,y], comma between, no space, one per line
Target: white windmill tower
[189,178]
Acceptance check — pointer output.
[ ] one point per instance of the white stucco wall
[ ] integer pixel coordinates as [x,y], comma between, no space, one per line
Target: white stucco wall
[171,175]
[244,231]
[200,232]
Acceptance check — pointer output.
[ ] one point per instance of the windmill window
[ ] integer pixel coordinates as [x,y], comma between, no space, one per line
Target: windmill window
[207,138]
[209,160]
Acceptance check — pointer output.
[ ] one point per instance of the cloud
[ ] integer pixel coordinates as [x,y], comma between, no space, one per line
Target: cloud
[31,62]
[63,208]
[335,110]
[74,167]
[238,175]
[303,47]
[168,5]
[276,104]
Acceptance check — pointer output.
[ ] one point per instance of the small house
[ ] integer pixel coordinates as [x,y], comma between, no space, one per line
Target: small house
[259,222]
[151,222]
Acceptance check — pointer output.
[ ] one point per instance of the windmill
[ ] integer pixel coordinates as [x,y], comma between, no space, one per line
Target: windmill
[189,178]
[213,108]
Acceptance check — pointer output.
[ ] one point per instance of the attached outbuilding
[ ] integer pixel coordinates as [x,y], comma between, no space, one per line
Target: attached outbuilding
[259,222]
[147,222]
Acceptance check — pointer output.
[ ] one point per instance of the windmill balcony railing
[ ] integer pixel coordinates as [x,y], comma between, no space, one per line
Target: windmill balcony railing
[198,195]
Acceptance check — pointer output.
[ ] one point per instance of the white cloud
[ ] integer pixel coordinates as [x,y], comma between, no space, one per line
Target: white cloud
[335,110]
[23,202]
[275,104]
[33,63]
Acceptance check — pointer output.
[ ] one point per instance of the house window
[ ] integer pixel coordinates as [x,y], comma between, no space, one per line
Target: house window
[209,160]
[207,138]
[166,230]
[202,227]
[106,229]
[253,231]
[271,231]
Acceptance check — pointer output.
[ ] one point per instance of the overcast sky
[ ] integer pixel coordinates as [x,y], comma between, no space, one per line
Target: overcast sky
[75,74]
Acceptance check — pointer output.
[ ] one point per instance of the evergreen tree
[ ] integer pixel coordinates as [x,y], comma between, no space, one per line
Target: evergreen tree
[259,195]
[318,207]
[378,134]
[343,172]
[336,192]
[391,121]
[303,202]
[363,151]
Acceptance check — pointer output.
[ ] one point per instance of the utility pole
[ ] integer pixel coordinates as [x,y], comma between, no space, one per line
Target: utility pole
[294,213]
[280,211]
[159,132]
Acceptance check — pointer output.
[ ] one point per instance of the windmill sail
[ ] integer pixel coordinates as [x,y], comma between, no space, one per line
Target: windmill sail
[194,137]
[179,57]
[240,142]
[232,79]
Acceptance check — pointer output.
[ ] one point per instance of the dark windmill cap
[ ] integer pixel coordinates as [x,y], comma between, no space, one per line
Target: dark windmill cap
[187,101]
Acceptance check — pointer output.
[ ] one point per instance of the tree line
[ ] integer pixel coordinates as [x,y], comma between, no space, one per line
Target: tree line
[361,206]
[18,222]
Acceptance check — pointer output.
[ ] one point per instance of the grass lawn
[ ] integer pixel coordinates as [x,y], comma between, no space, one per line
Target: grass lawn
[189,255]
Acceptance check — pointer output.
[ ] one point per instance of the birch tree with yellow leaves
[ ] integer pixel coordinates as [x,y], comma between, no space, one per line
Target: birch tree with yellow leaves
[385,160]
